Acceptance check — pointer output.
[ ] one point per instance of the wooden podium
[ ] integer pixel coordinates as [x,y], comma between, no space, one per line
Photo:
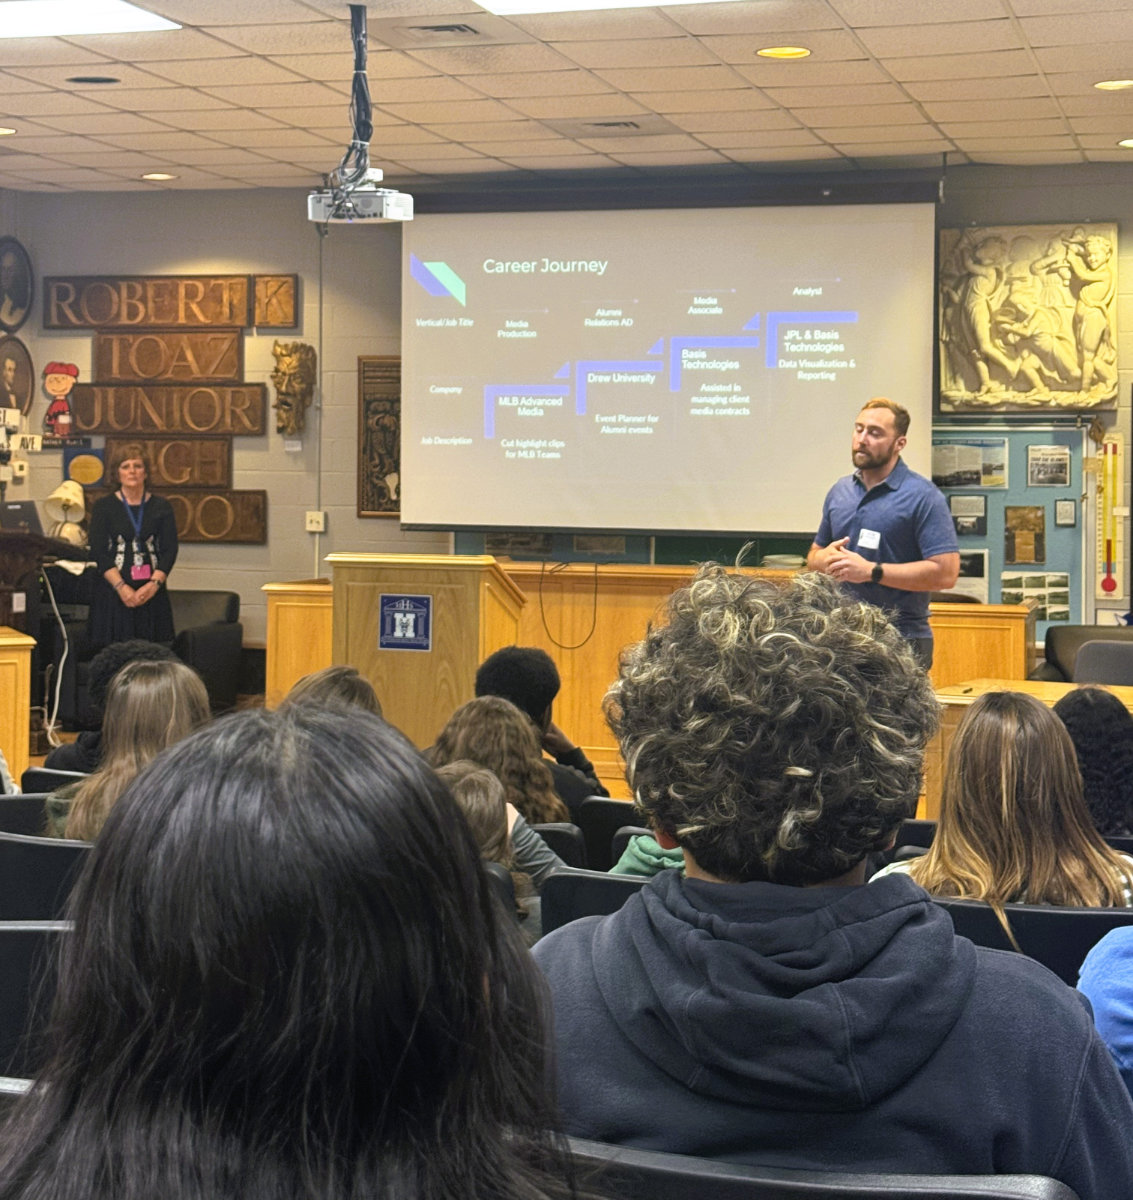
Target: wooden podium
[417,626]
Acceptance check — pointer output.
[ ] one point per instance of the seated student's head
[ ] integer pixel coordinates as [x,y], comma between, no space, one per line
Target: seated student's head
[342,687]
[1101,728]
[480,796]
[111,659]
[525,675]
[1013,825]
[149,706]
[288,978]
[775,733]
[492,732]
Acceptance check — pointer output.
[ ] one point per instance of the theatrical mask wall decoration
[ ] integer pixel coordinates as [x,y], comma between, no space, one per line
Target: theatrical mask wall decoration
[294,380]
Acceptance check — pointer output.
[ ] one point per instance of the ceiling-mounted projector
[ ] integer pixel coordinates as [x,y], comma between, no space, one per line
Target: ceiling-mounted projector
[352,192]
[362,201]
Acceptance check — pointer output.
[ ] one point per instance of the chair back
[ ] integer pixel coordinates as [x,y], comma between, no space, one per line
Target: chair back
[570,894]
[36,875]
[1104,661]
[502,884]
[26,813]
[565,839]
[46,779]
[1059,938]
[633,1174]
[1123,845]
[27,986]
[600,818]
[621,840]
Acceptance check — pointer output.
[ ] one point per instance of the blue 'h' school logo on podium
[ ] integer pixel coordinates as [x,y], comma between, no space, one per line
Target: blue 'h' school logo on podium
[405,622]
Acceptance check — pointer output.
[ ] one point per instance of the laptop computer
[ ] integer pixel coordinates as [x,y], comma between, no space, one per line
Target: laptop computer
[20,516]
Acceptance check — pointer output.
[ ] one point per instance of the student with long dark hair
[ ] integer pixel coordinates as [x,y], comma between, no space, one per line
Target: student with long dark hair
[288,979]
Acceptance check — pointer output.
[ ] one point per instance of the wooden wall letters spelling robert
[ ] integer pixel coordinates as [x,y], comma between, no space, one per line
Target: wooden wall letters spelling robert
[129,301]
[186,410]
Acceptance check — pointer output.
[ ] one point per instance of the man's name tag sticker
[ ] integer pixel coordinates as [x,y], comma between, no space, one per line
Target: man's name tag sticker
[869,539]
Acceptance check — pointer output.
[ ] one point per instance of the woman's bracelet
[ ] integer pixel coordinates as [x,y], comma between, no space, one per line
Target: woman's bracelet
[119,585]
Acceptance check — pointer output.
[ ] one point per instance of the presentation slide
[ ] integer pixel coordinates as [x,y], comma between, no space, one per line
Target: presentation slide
[663,370]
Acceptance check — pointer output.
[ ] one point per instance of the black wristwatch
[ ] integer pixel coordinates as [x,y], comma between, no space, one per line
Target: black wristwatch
[875,574]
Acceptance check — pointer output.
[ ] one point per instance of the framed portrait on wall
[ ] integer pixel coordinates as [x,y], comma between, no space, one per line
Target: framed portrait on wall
[17,375]
[17,285]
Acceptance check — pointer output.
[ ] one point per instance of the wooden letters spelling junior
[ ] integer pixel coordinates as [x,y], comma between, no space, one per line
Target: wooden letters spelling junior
[187,410]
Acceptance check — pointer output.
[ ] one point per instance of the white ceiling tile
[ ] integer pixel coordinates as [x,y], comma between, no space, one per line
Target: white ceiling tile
[712,122]
[737,99]
[1116,154]
[653,52]
[279,95]
[879,158]
[48,142]
[50,51]
[457,166]
[788,155]
[966,129]
[565,163]
[215,156]
[173,141]
[203,72]
[10,84]
[975,145]
[958,38]
[431,87]
[393,64]
[35,104]
[402,135]
[1035,159]
[409,151]
[324,116]
[962,66]
[860,114]
[100,124]
[922,146]
[614,23]
[1107,59]
[108,158]
[773,121]
[1098,104]
[479,60]
[868,93]
[222,118]
[867,13]
[755,16]
[661,141]
[331,38]
[855,134]
[1086,29]
[608,104]
[1119,126]
[271,139]
[224,12]
[538,83]
[676,79]
[159,43]
[1012,87]
[162,101]
[1036,107]
[542,148]
[465,110]
[760,139]
[486,131]
[807,73]
[687,158]
[830,45]
[1042,8]
[268,170]
[57,76]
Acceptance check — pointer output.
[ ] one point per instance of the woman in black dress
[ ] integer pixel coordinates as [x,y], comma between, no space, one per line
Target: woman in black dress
[133,540]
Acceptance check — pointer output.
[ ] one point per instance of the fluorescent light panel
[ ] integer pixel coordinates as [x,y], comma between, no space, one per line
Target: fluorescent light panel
[63,18]
[513,8]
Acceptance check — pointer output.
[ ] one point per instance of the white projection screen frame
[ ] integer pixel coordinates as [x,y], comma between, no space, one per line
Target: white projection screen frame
[674,370]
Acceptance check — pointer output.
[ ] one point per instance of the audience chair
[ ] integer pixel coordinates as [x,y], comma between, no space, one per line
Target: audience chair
[1062,643]
[621,839]
[1104,661]
[570,894]
[600,818]
[631,1174]
[503,885]
[1059,938]
[26,814]
[45,779]
[27,985]
[565,840]
[36,875]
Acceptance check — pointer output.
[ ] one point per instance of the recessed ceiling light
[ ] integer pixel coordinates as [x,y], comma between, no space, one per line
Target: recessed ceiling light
[1127,143]
[158,176]
[1114,85]
[783,52]
[92,79]
[512,8]
[6,130]
[64,18]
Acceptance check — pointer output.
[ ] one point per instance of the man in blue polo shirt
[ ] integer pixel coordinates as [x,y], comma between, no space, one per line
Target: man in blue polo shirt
[886,532]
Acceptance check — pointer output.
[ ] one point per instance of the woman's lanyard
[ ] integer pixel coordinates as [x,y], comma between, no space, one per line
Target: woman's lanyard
[136,522]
